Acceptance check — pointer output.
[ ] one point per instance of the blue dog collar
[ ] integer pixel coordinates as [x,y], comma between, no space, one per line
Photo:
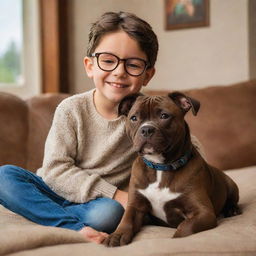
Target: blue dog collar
[170,166]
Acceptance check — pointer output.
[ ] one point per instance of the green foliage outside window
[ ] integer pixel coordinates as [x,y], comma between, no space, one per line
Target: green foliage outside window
[10,66]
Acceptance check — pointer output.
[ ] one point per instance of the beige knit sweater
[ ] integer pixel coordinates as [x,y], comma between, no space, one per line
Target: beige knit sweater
[86,156]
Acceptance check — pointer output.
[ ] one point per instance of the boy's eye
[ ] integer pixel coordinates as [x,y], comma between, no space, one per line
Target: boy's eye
[164,116]
[106,61]
[133,118]
[134,64]
[131,65]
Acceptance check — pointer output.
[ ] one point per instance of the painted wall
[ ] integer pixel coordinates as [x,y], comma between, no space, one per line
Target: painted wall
[188,58]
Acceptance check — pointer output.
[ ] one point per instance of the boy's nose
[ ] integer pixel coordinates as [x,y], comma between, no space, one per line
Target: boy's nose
[120,69]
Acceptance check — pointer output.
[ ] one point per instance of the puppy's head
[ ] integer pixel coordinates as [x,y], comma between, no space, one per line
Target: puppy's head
[155,124]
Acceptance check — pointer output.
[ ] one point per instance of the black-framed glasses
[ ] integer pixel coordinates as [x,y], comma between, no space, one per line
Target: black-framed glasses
[109,62]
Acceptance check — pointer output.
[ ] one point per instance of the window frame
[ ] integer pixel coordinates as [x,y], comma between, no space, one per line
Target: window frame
[54,35]
[31,57]
[45,49]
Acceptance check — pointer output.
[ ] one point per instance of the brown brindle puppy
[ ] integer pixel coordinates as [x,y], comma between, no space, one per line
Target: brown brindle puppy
[169,178]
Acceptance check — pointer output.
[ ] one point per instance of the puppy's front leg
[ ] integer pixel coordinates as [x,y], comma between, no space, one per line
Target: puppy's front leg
[198,223]
[128,227]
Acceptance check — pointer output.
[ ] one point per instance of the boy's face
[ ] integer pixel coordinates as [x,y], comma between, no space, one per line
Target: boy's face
[113,86]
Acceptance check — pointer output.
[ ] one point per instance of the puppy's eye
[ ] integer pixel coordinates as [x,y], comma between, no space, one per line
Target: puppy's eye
[164,116]
[133,118]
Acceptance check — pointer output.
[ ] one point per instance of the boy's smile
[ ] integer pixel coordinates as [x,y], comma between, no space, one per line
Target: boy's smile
[117,85]
[113,86]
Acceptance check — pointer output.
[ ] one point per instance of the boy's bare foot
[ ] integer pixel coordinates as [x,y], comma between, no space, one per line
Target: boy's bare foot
[93,235]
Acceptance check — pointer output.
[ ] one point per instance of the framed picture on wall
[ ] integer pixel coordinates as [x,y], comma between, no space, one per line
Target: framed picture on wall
[180,14]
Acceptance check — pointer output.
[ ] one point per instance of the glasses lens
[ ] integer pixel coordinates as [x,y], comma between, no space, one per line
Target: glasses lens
[135,67]
[107,61]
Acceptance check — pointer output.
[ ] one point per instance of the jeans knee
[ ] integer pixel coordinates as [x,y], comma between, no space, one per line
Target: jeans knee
[8,176]
[10,170]
[7,170]
[106,216]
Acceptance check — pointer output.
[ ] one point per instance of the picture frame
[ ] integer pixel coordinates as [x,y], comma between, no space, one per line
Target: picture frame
[182,14]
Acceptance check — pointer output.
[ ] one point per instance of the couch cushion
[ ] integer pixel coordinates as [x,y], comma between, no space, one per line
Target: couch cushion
[41,111]
[13,130]
[225,124]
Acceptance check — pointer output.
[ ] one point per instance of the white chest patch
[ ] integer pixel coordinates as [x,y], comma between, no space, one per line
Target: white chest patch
[158,197]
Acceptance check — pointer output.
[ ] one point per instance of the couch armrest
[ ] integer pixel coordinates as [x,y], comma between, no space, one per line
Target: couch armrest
[13,130]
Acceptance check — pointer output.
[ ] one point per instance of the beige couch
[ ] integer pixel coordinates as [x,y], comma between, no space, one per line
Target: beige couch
[225,125]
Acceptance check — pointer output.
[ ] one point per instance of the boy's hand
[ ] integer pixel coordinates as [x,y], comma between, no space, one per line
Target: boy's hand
[121,197]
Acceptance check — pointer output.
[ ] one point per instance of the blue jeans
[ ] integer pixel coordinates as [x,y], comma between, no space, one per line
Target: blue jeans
[26,194]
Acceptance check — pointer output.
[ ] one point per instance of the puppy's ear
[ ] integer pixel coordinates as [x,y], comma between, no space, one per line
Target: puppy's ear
[185,103]
[126,104]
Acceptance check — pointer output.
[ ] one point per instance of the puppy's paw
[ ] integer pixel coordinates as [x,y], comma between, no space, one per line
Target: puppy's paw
[117,239]
[232,211]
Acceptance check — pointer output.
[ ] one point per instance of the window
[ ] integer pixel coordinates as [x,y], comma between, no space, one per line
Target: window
[19,47]
[11,34]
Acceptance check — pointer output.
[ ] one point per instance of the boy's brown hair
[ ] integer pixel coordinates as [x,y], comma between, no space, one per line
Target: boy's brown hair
[135,27]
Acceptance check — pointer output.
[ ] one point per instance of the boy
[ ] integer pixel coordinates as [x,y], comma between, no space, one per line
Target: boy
[88,156]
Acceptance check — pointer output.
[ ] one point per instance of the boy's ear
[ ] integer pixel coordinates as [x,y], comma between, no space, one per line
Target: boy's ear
[148,75]
[88,65]
[126,104]
[185,103]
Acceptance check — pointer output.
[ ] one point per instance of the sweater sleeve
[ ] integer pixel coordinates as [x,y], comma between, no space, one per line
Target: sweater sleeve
[59,169]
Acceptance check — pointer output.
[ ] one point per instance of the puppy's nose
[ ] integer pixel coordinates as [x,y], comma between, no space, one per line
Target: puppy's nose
[147,131]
